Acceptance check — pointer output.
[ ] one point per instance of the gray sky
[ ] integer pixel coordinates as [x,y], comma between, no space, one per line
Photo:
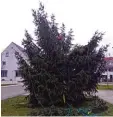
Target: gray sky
[83,16]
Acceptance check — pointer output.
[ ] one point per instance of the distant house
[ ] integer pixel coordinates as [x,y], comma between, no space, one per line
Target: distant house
[108,75]
[9,66]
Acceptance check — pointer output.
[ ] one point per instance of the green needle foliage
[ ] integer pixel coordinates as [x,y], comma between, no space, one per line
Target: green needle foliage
[58,72]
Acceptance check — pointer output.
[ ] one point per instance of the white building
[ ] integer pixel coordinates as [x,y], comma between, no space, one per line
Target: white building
[108,75]
[9,66]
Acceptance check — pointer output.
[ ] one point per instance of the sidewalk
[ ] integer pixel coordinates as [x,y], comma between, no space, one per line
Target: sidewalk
[104,83]
[106,95]
[12,91]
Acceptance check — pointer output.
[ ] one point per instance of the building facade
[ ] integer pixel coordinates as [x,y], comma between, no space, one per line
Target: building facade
[9,66]
[108,75]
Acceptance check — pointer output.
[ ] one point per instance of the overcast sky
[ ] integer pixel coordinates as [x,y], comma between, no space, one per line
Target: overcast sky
[83,16]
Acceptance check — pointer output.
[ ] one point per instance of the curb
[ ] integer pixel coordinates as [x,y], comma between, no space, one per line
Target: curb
[13,85]
[13,96]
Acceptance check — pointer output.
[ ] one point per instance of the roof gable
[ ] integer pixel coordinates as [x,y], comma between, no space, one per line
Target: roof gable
[14,45]
[108,59]
[20,48]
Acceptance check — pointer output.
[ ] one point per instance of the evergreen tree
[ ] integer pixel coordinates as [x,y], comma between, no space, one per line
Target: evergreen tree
[55,73]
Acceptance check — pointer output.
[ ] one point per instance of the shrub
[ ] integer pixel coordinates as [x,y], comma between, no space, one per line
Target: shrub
[98,105]
[54,111]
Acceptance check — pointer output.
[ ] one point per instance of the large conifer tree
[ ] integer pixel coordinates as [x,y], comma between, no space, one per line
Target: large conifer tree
[55,73]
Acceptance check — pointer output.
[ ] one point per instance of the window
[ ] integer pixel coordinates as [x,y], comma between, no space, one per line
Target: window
[16,53]
[17,73]
[3,63]
[111,69]
[111,78]
[7,54]
[3,73]
[104,78]
[3,80]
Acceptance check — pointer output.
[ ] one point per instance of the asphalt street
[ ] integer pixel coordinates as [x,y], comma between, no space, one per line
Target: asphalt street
[11,91]
[106,95]
[15,90]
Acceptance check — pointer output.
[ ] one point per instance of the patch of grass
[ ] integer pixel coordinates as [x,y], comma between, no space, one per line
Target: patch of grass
[17,106]
[7,84]
[105,87]
[108,112]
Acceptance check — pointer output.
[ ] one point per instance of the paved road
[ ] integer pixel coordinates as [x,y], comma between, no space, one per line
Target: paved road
[11,91]
[106,95]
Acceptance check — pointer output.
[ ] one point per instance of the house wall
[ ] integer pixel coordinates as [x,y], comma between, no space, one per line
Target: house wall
[109,70]
[108,73]
[11,62]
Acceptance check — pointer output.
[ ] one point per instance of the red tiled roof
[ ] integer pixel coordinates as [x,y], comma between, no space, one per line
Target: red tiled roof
[108,58]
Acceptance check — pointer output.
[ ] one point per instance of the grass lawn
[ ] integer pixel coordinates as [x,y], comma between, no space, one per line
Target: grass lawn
[17,106]
[105,87]
[7,84]
[108,112]
[14,107]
